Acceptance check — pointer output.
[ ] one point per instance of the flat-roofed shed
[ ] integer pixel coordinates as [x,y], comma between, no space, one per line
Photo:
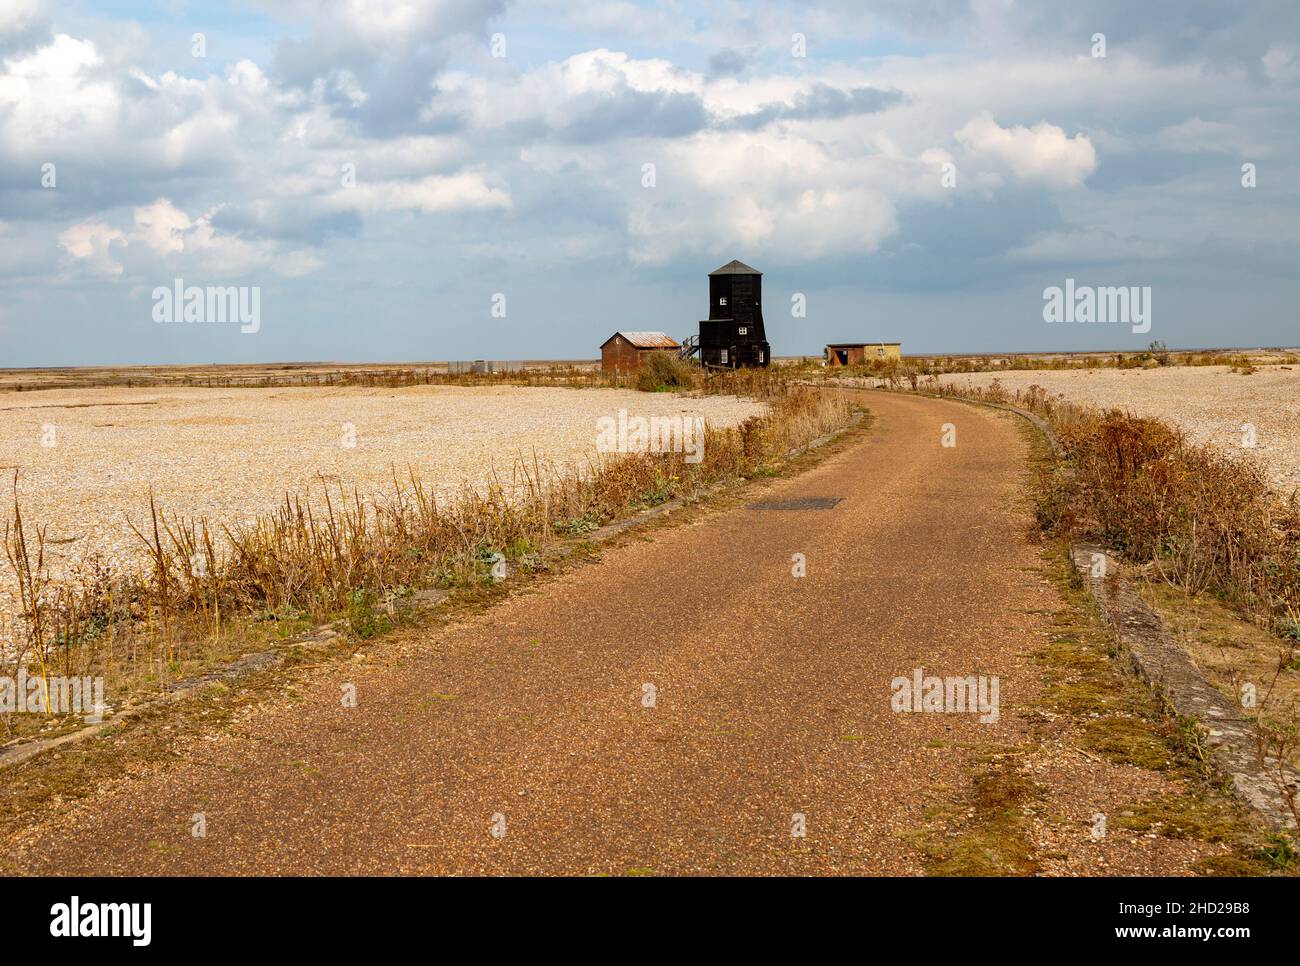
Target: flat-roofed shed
[861,353]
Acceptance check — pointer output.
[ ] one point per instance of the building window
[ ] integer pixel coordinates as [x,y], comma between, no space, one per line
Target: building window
[724,356]
[881,352]
[722,301]
[744,330]
[760,355]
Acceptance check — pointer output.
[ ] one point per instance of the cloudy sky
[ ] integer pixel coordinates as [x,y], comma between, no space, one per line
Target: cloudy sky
[381,169]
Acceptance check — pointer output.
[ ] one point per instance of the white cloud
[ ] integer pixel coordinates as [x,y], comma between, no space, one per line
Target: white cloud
[434,194]
[91,241]
[1282,63]
[781,193]
[389,26]
[231,166]
[1042,153]
[347,44]
[249,76]
[17,16]
[559,92]
[52,94]
[175,239]
[228,255]
[607,71]
[162,226]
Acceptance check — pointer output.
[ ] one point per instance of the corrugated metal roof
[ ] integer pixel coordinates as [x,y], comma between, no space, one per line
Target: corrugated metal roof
[734,267]
[648,340]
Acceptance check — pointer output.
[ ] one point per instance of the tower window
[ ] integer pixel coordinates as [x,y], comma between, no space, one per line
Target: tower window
[723,300]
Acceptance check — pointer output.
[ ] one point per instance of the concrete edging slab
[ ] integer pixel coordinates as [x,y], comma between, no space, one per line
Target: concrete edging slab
[1230,737]
[1233,742]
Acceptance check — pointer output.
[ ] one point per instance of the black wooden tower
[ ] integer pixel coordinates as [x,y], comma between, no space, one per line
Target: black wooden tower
[733,335]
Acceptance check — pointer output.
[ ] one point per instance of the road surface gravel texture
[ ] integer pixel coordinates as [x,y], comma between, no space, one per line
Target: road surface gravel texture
[771,699]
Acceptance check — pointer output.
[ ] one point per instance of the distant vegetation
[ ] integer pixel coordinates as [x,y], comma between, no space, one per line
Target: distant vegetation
[910,370]
[1157,354]
[663,371]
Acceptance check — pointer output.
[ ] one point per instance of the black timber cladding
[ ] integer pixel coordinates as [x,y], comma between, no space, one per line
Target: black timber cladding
[733,334]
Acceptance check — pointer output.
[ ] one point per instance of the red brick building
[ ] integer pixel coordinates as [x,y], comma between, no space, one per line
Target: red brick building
[628,351]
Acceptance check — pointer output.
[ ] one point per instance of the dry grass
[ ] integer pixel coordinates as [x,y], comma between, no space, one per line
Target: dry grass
[307,375]
[1154,356]
[1204,521]
[666,371]
[232,454]
[576,374]
[1195,518]
[1098,705]
[1240,658]
[349,555]
[1253,418]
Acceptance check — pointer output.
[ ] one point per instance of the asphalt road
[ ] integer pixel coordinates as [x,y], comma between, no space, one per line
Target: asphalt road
[771,699]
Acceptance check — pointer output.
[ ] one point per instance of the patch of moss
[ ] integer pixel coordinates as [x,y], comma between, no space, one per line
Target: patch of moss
[994,839]
[1180,817]
[1082,697]
[1230,865]
[1081,680]
[1085,674]
[1128,741]
[1069,653]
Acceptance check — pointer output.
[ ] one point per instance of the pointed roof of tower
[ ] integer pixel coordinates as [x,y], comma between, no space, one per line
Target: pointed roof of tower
[734,267]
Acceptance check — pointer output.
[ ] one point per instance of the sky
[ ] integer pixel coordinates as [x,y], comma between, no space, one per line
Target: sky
[411,180]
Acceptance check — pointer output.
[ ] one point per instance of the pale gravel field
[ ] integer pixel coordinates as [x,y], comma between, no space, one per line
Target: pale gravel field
[232,454]
[1210,402]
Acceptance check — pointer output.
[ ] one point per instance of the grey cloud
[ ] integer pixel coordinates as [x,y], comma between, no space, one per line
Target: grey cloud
[945,274]
[632,113]
[21,41]
[397,97]
[290,222]
[728,63]
[1168,29]
[23,28]
[821,102]
[1236,34]
[395,70]
[1116,171]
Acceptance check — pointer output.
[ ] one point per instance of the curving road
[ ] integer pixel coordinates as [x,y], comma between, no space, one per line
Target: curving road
[771,699]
